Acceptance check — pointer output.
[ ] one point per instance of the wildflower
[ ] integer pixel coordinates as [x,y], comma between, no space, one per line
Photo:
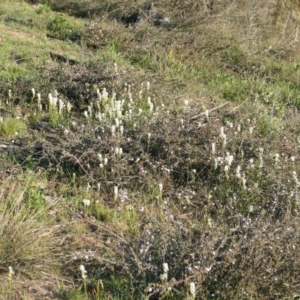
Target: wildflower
[229,159]
[226,169]
[60,106]
[151,107]
[238,172]
[213,148]
[83,272]
[121,129]
[251,163]
[160,186]
[104,94]
[118,152]
[193,290]
[244,181]
[40,107]
[223,136]
[116,192]
[164,276]
[222,131]
[230,124]
[90,110]
[98,116]
[50,97]
[209,222]
[165,267]
[69,106]
[11,272]
[186,102]
[218,161]
[148,85]
[105,161]
[98,94]
[86,202]
[113,130]
[206,114]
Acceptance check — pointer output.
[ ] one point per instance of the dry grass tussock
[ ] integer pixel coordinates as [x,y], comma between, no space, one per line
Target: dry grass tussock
[29,240]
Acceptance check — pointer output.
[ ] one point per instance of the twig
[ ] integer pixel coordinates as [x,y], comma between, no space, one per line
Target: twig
[203,113]
[237,107]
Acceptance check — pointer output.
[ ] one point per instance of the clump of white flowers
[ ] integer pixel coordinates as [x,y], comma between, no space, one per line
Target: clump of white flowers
[116,192]
[83,272]
[213,148]
[193,290]
[10,275]
[223,137]
[164,275]
[86,202]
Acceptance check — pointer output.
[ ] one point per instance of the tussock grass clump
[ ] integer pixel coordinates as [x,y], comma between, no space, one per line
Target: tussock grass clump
[28,238]
[10,127]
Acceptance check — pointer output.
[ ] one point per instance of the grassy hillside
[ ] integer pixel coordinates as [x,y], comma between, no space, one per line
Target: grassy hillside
[149,150]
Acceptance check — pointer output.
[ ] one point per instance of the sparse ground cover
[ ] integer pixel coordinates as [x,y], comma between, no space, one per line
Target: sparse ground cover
[149,151]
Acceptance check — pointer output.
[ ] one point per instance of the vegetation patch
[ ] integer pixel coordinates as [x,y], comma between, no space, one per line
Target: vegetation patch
[149,151]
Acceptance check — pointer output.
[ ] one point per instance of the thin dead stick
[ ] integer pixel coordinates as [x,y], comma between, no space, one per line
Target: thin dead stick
[209,111]
[237,107]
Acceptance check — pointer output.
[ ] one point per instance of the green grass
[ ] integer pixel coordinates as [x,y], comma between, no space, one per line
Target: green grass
[10,127]
[27,47]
